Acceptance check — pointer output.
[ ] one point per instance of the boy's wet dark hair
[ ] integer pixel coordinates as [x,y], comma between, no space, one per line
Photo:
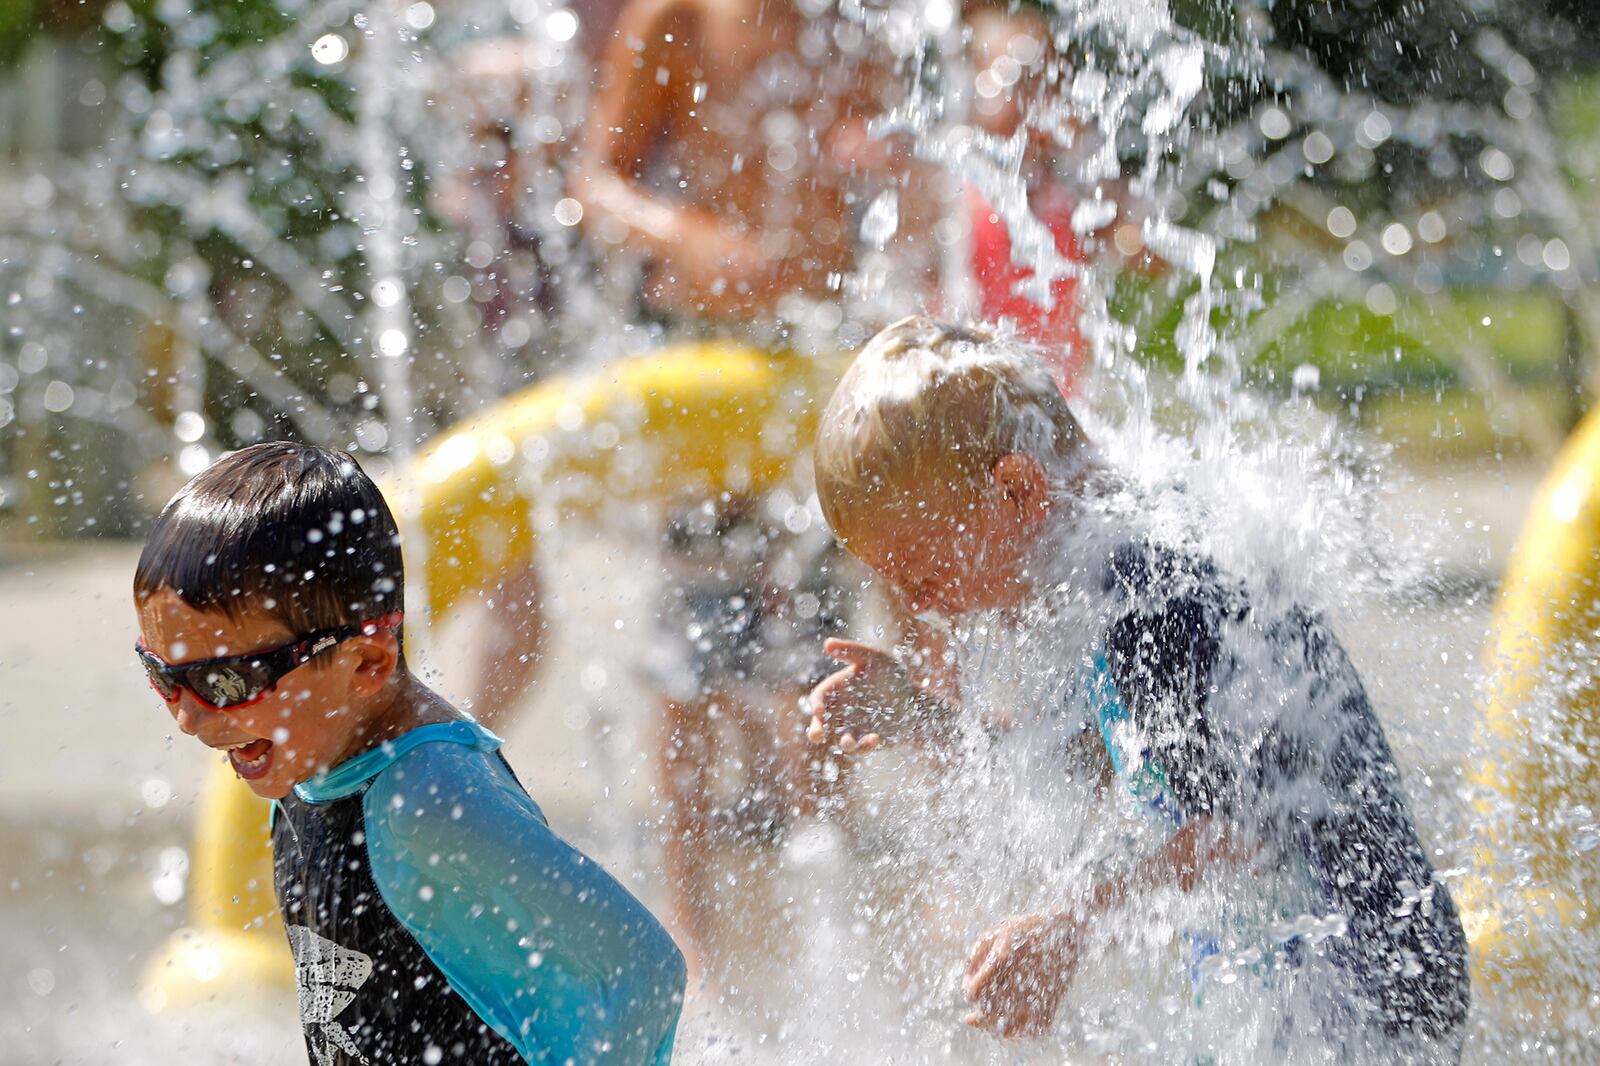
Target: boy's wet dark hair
[297,533]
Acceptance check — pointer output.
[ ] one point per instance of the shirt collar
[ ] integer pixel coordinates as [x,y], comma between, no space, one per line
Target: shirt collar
[350,776]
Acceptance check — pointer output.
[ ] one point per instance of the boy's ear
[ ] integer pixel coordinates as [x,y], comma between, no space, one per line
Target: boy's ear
[1023,489]
[378,656]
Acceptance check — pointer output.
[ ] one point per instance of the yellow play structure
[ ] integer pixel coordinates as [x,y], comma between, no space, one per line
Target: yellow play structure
[690,418]
[1527,908]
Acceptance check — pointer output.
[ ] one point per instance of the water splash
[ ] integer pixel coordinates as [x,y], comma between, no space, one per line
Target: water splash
[1265,477]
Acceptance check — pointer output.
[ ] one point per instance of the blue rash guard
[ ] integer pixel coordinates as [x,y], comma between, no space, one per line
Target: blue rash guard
[436,918]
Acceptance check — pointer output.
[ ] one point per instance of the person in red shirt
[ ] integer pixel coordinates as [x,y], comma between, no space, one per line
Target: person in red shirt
[1000,280]
[1009,50]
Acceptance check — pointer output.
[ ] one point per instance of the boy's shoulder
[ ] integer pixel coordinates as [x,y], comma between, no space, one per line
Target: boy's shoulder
[1165,600]
[1151,577]
[440,781]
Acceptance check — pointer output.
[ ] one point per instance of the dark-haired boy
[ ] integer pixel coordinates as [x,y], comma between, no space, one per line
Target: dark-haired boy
[433,914]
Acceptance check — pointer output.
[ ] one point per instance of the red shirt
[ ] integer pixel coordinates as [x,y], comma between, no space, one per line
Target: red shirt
[997,277]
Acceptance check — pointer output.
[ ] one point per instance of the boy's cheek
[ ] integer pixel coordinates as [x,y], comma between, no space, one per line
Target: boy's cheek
[295,734]
[271,719]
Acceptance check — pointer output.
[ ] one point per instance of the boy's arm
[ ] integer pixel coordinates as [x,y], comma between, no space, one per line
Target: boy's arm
[1159,662]
[547,948]
[1019,972]
[1364,848]
[634,110]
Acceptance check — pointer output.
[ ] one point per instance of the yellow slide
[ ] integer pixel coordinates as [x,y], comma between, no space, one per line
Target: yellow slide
[1528,909]
[691,418]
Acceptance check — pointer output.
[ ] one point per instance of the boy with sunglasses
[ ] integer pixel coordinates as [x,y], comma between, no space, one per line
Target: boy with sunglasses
[433,915]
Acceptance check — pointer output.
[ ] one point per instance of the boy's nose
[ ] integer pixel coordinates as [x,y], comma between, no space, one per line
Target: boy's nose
[189,714]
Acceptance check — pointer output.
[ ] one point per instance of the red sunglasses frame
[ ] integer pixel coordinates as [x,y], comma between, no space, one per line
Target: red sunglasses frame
[300,650]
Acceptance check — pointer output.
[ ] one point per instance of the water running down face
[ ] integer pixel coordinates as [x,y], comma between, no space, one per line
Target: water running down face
[316,716]
[957,549]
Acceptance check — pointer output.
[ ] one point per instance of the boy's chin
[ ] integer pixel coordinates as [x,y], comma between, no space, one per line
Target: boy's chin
[270,788]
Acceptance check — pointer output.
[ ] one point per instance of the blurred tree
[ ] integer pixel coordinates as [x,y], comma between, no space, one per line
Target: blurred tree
[22,20]
[1344,150]
[1364,150]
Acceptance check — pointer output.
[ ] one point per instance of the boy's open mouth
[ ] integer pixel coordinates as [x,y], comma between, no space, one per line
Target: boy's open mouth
[251,760]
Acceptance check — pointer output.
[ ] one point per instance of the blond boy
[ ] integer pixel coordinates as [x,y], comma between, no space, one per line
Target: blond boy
[950,464]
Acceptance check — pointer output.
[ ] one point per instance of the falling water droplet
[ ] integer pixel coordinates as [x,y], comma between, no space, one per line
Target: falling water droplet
[882,219]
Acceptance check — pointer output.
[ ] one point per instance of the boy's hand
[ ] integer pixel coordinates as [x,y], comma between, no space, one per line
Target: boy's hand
[1019,972]
[849,707]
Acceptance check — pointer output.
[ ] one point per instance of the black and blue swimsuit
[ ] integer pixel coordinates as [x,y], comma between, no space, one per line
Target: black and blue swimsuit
[1321,790]
[436,918]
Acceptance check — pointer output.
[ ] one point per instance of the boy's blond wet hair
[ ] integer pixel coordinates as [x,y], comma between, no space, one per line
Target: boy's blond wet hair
[927,409]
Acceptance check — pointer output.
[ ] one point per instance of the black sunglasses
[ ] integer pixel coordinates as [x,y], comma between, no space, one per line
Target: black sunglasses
[240,680]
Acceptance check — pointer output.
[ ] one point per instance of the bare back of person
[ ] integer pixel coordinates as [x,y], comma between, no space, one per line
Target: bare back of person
[709,159]
[707,154]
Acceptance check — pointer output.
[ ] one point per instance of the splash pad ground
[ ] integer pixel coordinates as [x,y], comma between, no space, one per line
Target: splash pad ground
[96,807]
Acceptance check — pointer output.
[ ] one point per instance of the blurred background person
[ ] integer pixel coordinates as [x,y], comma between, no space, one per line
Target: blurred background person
[706,161]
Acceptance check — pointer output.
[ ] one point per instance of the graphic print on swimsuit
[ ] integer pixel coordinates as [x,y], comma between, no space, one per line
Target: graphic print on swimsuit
[327,978]
[369,994]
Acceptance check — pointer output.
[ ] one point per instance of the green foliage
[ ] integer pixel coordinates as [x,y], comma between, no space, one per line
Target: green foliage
[1215,20]
[1575,120]
[243,120]
[1418,345]
[152,29]
[19,22]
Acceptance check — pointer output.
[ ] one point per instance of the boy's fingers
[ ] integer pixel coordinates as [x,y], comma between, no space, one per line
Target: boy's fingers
[841,648]
[991,969]
[988,1010]
[987,1021]
[979,952]
[816,732]
[847,743]
[829,690]
[868,742]
[977,982]
[833,682]
[836,684]
[994,940]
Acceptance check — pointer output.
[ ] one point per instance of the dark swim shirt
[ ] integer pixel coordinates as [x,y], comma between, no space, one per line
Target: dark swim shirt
[436,918]
[1319,784]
